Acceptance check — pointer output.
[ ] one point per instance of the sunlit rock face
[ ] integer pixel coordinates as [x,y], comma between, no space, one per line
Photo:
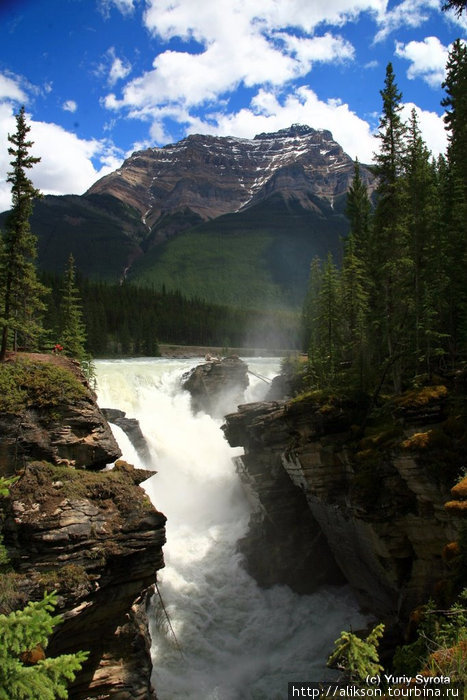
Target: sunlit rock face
[72,432]
[92,535]
[215,175]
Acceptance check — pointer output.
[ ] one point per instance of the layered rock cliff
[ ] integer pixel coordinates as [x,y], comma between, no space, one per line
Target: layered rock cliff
[376,487]
[93,536]
[215,175]
[54,418]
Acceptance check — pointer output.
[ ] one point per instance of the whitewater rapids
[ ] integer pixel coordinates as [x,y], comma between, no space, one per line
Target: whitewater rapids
[237,641]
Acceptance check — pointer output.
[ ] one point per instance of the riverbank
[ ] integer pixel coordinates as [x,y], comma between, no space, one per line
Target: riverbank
[187,351]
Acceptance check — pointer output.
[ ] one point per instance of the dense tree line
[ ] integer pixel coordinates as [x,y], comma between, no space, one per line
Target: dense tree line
[130,320]
[397,307]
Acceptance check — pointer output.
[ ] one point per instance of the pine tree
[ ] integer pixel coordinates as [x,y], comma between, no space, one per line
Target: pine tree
[389,244]
[358,657]
[455,204]
[421,198]
[455,117]
[20,291]
[325,350]
[72,329]
[355,309]
[459,6]
[358,211]
[26,630]
[310,305]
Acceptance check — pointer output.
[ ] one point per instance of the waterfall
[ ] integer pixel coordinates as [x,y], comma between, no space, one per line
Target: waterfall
[238,642]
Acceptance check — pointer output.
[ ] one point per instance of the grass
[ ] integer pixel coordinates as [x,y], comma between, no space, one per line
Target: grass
[26,384]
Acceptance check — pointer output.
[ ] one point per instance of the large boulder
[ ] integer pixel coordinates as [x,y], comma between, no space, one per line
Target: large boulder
[217,386]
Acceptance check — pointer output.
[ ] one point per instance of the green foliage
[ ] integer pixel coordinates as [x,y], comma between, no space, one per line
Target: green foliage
[357,657]
[20,291]
[26,630]
[129,320]
[26,384]
[5,484]
[72,331]
[250,259]
[440,644]
[397,309]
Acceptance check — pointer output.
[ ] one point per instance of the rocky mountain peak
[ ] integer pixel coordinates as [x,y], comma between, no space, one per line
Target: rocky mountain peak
[293,130]
[215,175]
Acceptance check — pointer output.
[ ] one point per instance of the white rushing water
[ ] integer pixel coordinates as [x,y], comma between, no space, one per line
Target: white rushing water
[237,641]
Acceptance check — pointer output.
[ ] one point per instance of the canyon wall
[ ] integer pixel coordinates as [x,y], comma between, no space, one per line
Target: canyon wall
[375,483]
[93,536]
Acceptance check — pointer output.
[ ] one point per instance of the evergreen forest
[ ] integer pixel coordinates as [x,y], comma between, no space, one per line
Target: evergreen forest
[397,306]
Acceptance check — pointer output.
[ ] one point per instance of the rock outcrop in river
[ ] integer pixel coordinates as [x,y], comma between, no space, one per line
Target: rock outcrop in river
[217,385]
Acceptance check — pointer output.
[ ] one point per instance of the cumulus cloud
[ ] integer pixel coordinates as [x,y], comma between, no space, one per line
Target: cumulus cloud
[68,164]
[119,68]
[408,13]
[10,89]
[240,43]
[428,59]
[269,112]
[70,106]
[431,125]
[267,47]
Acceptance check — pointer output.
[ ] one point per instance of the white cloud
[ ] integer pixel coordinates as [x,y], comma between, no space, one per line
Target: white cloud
[119,68]
[268,113]
[10,89]
[266,46]
[428,59]
[70,106]
[431,126]
[240,43]
[408,13]
[235,53]
[205,21]
[66,164]
[126,7]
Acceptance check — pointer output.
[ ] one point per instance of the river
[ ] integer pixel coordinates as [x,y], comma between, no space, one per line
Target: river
[235,641]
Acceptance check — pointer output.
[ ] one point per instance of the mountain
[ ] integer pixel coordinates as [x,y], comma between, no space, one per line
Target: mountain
[227,219]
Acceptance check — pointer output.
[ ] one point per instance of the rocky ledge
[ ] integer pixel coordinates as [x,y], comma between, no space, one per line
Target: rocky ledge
[375,487]
[93,536]
[55,417]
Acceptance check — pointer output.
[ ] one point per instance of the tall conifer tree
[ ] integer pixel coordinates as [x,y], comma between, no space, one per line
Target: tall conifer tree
[389,244]
[72,329]
[421,216]
[20,291]
[455,120]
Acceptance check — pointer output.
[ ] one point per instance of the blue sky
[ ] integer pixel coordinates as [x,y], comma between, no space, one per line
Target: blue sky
[102,78]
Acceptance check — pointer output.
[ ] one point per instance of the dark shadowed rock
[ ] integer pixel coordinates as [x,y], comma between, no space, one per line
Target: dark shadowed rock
[377,497]
[218,385]
[131,428]
[97,539]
